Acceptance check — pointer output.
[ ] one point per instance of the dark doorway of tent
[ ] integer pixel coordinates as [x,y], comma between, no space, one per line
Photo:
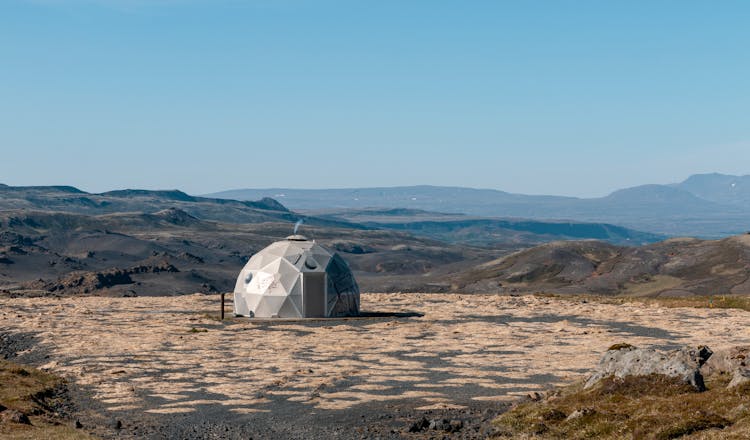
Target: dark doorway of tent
[314,294]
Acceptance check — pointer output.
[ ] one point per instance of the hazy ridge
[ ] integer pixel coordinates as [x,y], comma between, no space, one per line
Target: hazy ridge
[704,205]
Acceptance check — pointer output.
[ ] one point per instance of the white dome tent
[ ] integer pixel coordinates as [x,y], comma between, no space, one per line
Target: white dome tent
[296,278]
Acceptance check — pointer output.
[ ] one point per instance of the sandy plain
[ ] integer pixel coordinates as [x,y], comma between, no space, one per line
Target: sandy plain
[159,362]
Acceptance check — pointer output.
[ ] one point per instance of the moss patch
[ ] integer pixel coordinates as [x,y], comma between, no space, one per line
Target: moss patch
[32,392]
[620,346]
[651,407]
[198,330]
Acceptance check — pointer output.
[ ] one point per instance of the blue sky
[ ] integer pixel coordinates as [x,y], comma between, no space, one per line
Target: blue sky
[556,97]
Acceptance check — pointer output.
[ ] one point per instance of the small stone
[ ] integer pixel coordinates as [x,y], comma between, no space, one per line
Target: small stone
[534,396]
[117,424]
[420,425]
[14,416]
[577,414]
[738,411]
[77,424]
[455,426]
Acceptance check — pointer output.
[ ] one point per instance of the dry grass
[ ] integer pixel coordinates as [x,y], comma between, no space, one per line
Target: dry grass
[30,391]
[140,355]
[741,302]
[654,285]
[713,302]
[652,407]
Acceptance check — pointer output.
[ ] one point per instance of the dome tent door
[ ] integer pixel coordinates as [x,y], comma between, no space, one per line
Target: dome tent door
[314,294]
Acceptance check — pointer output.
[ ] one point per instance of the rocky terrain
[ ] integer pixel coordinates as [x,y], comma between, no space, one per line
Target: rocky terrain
[425,366]
[171,252]
[645,393]
[62,241]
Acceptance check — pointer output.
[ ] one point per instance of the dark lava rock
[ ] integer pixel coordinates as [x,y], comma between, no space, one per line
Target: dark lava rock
[14,416]
[446,425]
[420,425]
[455,425]
[350,247]
[12,238]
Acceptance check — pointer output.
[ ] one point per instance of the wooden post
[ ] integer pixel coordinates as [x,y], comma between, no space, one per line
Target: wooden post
[222,306]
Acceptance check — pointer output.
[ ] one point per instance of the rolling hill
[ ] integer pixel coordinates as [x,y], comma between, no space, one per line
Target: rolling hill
[705,206]
[676,267]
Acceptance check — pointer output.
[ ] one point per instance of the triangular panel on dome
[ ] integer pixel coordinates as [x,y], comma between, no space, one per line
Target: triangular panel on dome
[240,305]
[269,306]
[261,283]
[289,309]
[278,252]
[288,275]
[259,260]
[273,265]
[296,288]
[252,300]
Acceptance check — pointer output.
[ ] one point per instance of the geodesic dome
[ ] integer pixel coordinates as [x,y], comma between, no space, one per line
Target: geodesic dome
[296,278]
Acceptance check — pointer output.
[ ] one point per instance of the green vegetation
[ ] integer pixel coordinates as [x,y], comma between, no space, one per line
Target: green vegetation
[651,407]
[32,392]
[198,330]
[620,346]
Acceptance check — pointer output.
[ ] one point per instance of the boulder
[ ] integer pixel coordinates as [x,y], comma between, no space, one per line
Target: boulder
[727,360]
[740,376]
[734,361]
[625,360]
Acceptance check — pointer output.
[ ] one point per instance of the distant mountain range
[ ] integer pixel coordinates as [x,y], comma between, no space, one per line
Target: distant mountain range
[704,205]
[498,233]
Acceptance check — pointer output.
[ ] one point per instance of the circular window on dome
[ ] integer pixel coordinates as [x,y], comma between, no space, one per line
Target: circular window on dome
[310,263]
[248,278]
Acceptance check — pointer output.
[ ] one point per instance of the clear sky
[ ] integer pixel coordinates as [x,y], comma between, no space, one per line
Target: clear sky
[556,97]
